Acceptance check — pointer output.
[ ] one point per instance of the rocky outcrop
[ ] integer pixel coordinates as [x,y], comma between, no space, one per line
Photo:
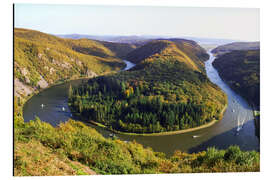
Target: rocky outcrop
[40,55]
[24,71]
[21,89]
[79,63]
[90,73]
[52,70]
[42,83]
[63,65]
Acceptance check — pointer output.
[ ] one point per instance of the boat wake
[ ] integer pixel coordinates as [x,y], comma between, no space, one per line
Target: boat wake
[240,124]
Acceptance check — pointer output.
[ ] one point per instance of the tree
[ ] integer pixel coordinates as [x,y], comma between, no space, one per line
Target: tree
[123,86]
[137,91]
[70,91]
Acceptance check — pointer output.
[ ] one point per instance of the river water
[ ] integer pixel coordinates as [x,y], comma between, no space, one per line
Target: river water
[236,128]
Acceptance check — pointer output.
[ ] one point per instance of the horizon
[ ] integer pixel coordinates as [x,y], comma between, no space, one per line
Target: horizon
[140,35]
[222,23]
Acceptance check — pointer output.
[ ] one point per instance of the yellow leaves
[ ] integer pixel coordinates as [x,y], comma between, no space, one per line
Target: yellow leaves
[166,166]
[67,127]
[129,91]
[34,50]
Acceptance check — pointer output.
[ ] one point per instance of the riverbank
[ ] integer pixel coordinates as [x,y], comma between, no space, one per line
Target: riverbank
[59,82]
[26,98]
[256,115]
[214,121]
[251,103]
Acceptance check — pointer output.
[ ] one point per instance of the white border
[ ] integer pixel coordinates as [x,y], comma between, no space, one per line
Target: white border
[181,3]
[6,79]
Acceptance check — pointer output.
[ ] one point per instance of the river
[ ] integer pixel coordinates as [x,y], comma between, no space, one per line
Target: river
[236,128]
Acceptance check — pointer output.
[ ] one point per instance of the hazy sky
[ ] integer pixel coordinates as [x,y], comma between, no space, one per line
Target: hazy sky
[229,23]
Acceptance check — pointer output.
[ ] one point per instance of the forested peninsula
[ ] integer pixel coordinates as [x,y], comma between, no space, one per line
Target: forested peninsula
[167,90]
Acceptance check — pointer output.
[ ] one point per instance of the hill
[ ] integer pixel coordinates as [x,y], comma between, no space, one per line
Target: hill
[190,51]
[41,59]
[76,149]
[236,46]
[241,70]
[165,91]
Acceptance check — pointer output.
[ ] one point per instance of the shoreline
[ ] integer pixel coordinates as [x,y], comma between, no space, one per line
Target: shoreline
[163,133]
[60,82]
[256,121]
[36,92]
[250,103]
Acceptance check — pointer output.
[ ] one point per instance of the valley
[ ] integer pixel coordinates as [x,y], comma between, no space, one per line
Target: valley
[162,86]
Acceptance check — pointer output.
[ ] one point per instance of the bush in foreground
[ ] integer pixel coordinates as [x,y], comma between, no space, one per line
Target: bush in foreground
[79,149]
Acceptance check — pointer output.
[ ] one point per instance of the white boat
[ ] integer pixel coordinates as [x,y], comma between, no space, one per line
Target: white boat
[63,108]
[233,110]
[112,135]
[195,136]
[42,105]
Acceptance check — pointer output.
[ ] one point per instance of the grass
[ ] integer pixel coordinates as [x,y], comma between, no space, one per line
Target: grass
[34,159]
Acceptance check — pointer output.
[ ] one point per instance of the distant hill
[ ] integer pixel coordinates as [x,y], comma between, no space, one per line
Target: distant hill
[236,46]
[116,39]
[135,39]
[241,70]
[41,59]
[210,41]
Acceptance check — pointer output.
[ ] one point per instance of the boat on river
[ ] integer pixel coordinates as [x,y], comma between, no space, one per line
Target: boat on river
[112,135]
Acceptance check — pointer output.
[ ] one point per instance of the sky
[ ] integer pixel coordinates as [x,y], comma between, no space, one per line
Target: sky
[226,23]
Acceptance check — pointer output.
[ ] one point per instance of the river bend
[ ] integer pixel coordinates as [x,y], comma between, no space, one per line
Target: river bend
[236,127]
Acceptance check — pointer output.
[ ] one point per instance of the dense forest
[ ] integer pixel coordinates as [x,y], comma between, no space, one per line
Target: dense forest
[164,92]
[241,70]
